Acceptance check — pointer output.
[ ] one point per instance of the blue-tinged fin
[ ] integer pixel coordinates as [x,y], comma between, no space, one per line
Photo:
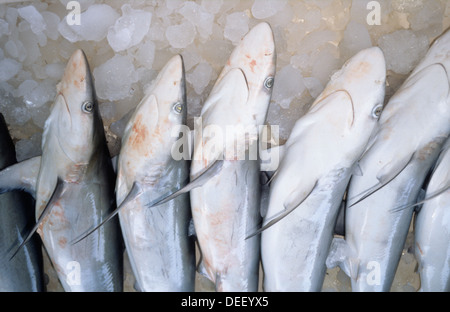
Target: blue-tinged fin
[21,176]
[57,193]
[340,255]
[294,200]
[132,195]
[388,173]
[204,177]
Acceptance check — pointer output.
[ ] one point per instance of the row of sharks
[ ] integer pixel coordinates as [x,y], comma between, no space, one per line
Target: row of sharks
[349,179]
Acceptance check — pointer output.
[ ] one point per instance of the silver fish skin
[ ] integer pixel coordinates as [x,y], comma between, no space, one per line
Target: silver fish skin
[161,252]
[410,135]
[432,231]
[24,272]
[74,187]
[226,208]
[318,160]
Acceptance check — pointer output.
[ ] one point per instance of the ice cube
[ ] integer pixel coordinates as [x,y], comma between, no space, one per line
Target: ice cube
[403,49]
[107,110]
[428,18]
[181,35]
[262,9]
[356,38]
[130,29]
[4,27]
[32,16]
[94,24]
[31,44]
[52,20]
[39,115]
[191,57]
[314,86]
[174,4]
[54,70]
[288,85]
[198,16]
[200,77]
[16,49]
[9,68]
[26,87]
[236,26]
[114,78]
[17,114]
[212,7]
[325,64]
[40,95]
[146,54]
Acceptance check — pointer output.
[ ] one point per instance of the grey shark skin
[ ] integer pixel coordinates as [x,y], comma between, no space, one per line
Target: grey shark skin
[227,207]
[74,187]
[161,252]
[411,132]
[24,272]
[319,158]
[432,230]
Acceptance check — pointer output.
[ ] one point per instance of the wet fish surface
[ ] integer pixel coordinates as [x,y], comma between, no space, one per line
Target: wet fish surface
[160,249]
[24,272]
[226,208]
[74,187]
[432,230]
[317,162]
[412,130]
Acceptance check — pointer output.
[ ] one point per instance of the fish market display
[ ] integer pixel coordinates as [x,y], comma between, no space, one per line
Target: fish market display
[161,252]
[318,160]
[215,167]
[75,187]
[412,130]
[24,272]
[226,208]
[432,230]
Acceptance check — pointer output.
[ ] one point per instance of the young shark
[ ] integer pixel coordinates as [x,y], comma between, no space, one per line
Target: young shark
[317,162]
[24,272]
[73,183]
[411,132]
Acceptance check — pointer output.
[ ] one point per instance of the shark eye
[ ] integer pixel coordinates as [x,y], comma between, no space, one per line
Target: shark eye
[87,107]
[376,112]
[177,107]
[268,83]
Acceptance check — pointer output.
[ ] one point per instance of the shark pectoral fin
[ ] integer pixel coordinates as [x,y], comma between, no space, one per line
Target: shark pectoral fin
[134,193]
[231,90]
[422,199]
[384,177]
[57,193]
[204,176]
[21,176]
[393,169]
[294,200]
[339,255]
[270,158]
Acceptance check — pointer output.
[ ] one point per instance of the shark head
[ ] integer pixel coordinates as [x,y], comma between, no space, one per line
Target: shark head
[74,120]
[152,130]
[254,59]
[362,81]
